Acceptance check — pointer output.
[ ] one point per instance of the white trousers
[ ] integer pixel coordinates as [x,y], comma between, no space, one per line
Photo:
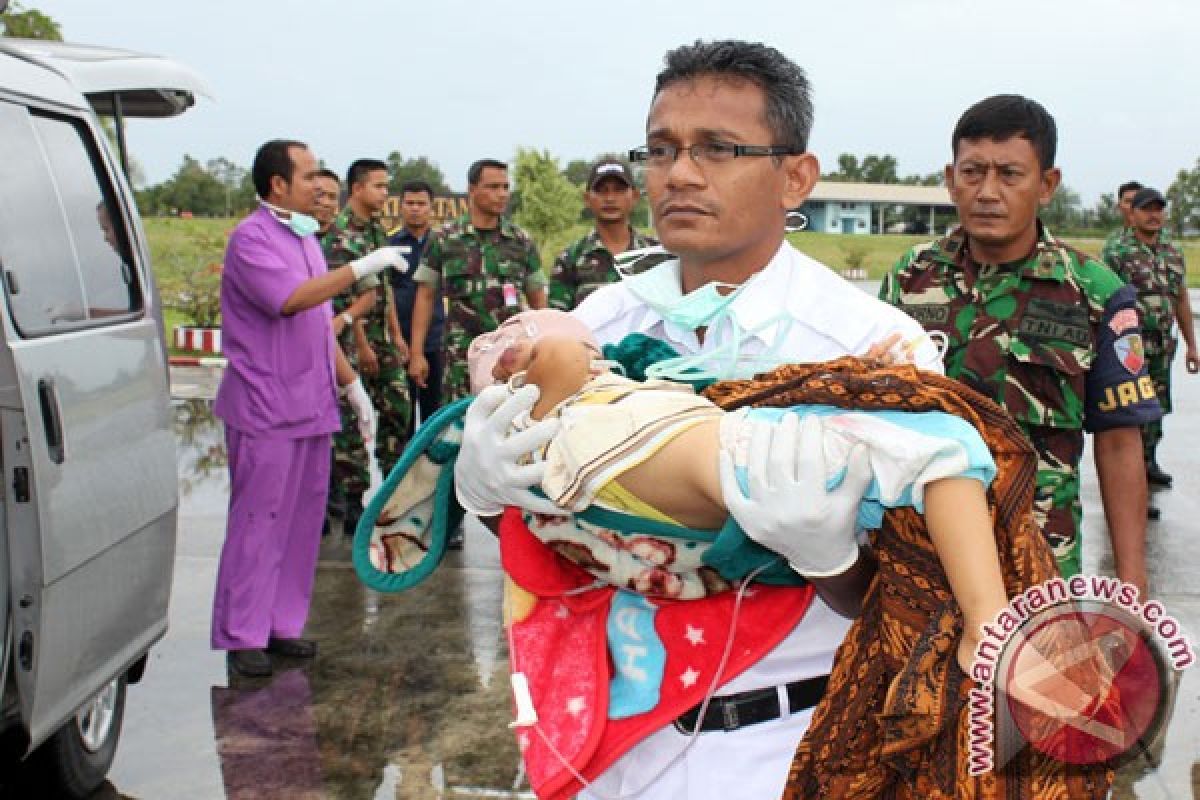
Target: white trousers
[750,762]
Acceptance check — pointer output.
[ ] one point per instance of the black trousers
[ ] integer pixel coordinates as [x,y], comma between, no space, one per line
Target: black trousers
[428,400]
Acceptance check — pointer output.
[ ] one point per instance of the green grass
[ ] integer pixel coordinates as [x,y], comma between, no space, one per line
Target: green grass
[180,245]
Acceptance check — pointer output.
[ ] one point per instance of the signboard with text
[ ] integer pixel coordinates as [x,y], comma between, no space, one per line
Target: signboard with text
[445,208]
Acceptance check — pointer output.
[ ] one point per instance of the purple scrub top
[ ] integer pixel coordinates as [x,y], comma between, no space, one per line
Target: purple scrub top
[280,380]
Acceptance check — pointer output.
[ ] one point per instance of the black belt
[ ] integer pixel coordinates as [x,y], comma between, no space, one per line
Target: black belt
[733,711]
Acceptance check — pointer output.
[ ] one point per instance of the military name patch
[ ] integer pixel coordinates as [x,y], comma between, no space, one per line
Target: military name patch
[1123,320]
[928,313]
[1046,319]
[1130,352]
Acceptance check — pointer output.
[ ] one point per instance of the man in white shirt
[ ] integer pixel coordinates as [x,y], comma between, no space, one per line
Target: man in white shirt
[725,160]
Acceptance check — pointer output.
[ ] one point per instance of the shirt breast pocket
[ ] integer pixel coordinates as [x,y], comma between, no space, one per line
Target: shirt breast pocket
[1047,381]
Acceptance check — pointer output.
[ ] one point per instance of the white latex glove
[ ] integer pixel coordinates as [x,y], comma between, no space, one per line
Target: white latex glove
[487,474]
[377,261]
[788,509]
[356,396]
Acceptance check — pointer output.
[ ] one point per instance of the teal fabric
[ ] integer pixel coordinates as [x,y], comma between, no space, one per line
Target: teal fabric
[637,351]
[447,513]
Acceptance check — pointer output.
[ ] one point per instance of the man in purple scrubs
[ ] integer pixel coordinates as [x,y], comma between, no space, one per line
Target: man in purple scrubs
[278,399]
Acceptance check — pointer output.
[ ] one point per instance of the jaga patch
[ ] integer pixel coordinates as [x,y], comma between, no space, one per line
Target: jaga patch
[1130,352]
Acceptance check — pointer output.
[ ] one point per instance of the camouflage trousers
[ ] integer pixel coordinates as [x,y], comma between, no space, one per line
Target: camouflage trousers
[456,383]
[1057,509]
[388,390]
[349,475]
[1160,352]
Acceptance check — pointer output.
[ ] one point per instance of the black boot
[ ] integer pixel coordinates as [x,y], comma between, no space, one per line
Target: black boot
[252,663]
[1155,475]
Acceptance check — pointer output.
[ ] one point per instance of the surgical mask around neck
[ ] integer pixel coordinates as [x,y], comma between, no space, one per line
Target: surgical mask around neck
[300,224]
[726,361]
[660,289]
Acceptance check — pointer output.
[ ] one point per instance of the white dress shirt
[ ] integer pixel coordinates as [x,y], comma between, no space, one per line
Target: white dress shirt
[829,318]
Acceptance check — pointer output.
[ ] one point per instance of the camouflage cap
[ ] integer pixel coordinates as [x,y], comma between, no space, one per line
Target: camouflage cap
[609,168]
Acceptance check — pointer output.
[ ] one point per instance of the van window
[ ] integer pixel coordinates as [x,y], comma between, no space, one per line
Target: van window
[66,264]
[93,218]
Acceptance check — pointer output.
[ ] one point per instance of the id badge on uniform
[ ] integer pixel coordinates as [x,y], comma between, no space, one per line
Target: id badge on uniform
[510,295]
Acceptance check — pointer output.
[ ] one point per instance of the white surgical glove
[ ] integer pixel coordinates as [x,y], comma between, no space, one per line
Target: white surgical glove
[377,261]
[788,508]
[356,396]
[487,474]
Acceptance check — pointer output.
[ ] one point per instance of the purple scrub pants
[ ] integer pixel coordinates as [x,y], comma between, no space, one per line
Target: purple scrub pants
[277,493]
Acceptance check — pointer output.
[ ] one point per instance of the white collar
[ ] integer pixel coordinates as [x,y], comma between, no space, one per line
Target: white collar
[784,277]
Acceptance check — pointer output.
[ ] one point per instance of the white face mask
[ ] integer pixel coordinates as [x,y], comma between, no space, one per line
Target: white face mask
[659,288]
[300,224]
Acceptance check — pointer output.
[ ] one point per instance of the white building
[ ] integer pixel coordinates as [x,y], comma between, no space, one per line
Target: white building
[838,207]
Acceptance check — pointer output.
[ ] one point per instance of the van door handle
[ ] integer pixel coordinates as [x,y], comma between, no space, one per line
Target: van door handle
[51,420]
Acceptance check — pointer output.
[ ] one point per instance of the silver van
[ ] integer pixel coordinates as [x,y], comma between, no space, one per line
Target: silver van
[87,534]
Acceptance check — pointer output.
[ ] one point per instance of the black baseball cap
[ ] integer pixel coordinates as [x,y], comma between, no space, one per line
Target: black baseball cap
[1147,196]
[609,168]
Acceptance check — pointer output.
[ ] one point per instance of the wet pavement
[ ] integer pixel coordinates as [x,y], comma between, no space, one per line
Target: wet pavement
[408,697]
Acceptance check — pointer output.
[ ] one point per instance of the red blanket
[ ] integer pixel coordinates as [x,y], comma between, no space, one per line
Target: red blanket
[561,643]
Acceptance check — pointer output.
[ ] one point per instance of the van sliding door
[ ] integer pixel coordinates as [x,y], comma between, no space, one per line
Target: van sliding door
[86,427]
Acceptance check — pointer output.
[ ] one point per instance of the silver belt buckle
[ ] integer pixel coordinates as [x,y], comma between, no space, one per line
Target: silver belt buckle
[730,715]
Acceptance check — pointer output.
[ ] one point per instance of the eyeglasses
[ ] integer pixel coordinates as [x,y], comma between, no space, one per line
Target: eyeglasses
[661,156]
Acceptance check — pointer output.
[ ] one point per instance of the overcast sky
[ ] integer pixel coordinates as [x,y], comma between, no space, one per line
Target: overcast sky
[457,80]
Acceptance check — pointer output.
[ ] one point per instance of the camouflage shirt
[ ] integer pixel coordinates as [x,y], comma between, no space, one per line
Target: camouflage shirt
[1155,271]
[351,237]
[585,266]
[1053,339]
[481,273]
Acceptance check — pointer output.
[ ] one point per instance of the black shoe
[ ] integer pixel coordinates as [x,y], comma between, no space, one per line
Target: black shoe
[292,648]
[455,542]
[350,524]
[1156,476]
[1153,512]
[250,663]
[325,527]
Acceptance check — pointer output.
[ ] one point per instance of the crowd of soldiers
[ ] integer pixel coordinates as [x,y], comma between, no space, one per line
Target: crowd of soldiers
[407,332]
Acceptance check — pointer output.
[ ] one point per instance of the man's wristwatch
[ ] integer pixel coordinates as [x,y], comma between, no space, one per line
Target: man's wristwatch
[348,318]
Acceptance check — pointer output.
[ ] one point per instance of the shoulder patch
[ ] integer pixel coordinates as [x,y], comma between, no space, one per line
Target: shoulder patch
[1130,352]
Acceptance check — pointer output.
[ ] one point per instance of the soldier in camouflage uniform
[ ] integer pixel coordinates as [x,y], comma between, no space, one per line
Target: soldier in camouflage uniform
[1125,193]
[1145,259]
[587,264]
[1046,332]
[483,262]
[369,334]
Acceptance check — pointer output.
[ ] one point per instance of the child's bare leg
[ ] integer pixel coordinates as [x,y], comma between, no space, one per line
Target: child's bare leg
[960,526]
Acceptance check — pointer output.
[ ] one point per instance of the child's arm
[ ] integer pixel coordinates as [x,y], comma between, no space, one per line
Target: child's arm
[960,526]
[559,367]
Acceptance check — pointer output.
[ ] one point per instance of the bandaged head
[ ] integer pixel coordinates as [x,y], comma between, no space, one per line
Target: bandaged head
[525,328]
